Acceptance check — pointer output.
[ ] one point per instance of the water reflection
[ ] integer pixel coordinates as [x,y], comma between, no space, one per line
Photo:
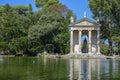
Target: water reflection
[82,69]
[32,68]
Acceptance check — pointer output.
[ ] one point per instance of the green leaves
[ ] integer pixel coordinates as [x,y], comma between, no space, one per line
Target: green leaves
[116,39]
[40,3]
[14,29]
[1,8]
[3,45]
[19,9]
[108,13]
[51,2]
[46,29]
[45,3]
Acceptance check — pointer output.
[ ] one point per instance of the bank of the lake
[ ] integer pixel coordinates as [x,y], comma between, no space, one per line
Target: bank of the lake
[83,56]
[68,56]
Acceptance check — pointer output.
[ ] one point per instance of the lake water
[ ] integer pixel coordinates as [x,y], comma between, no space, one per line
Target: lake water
[33,68]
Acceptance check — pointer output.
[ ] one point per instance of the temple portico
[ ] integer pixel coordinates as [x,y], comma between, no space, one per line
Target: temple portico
[87,27]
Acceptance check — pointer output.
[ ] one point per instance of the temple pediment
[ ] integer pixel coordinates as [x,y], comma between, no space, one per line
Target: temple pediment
[85,22]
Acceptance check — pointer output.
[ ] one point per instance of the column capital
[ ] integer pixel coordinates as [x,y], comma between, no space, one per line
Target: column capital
[98,29]
[89,29]
[79,29]
[71,30]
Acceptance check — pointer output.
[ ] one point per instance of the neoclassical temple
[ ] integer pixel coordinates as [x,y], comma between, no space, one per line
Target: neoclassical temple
[81,28]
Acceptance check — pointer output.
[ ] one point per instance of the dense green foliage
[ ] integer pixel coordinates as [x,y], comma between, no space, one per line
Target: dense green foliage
[14,29]
[23,30]
[45,3]
[108,13]
[50,31]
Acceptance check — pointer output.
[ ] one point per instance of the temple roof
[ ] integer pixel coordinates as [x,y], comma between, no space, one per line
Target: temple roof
[84,22]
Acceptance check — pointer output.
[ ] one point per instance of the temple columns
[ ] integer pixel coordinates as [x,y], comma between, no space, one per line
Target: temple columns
[89,42]
[71,41]
[98,41]
[80,41]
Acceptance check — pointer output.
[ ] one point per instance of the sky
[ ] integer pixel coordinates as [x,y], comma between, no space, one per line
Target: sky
[77,6]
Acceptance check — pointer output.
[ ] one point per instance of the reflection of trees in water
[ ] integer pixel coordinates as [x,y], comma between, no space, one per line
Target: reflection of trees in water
[32,68]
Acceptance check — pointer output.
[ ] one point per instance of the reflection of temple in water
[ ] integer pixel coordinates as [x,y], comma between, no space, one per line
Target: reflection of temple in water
[82,69]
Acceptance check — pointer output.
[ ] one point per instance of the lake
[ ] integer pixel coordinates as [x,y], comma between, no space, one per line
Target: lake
[34,68]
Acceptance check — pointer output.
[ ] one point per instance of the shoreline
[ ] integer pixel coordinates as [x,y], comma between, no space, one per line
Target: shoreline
[7,55]
[72,56]
[78,56]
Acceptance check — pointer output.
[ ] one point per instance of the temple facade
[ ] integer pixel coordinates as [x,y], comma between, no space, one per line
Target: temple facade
[88,28]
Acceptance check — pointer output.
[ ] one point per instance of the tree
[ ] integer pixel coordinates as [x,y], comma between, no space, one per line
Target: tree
[42,33]
[47,17]
[104,48]
[106,11]
[116,39]
[45,3]
[14,28]
[23,30]
[30,8]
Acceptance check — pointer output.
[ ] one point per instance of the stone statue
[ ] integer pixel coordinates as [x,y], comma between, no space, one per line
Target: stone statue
[85,41]
[71,19]
[84,50]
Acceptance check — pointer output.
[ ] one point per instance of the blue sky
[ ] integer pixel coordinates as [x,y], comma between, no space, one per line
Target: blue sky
[77,6]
